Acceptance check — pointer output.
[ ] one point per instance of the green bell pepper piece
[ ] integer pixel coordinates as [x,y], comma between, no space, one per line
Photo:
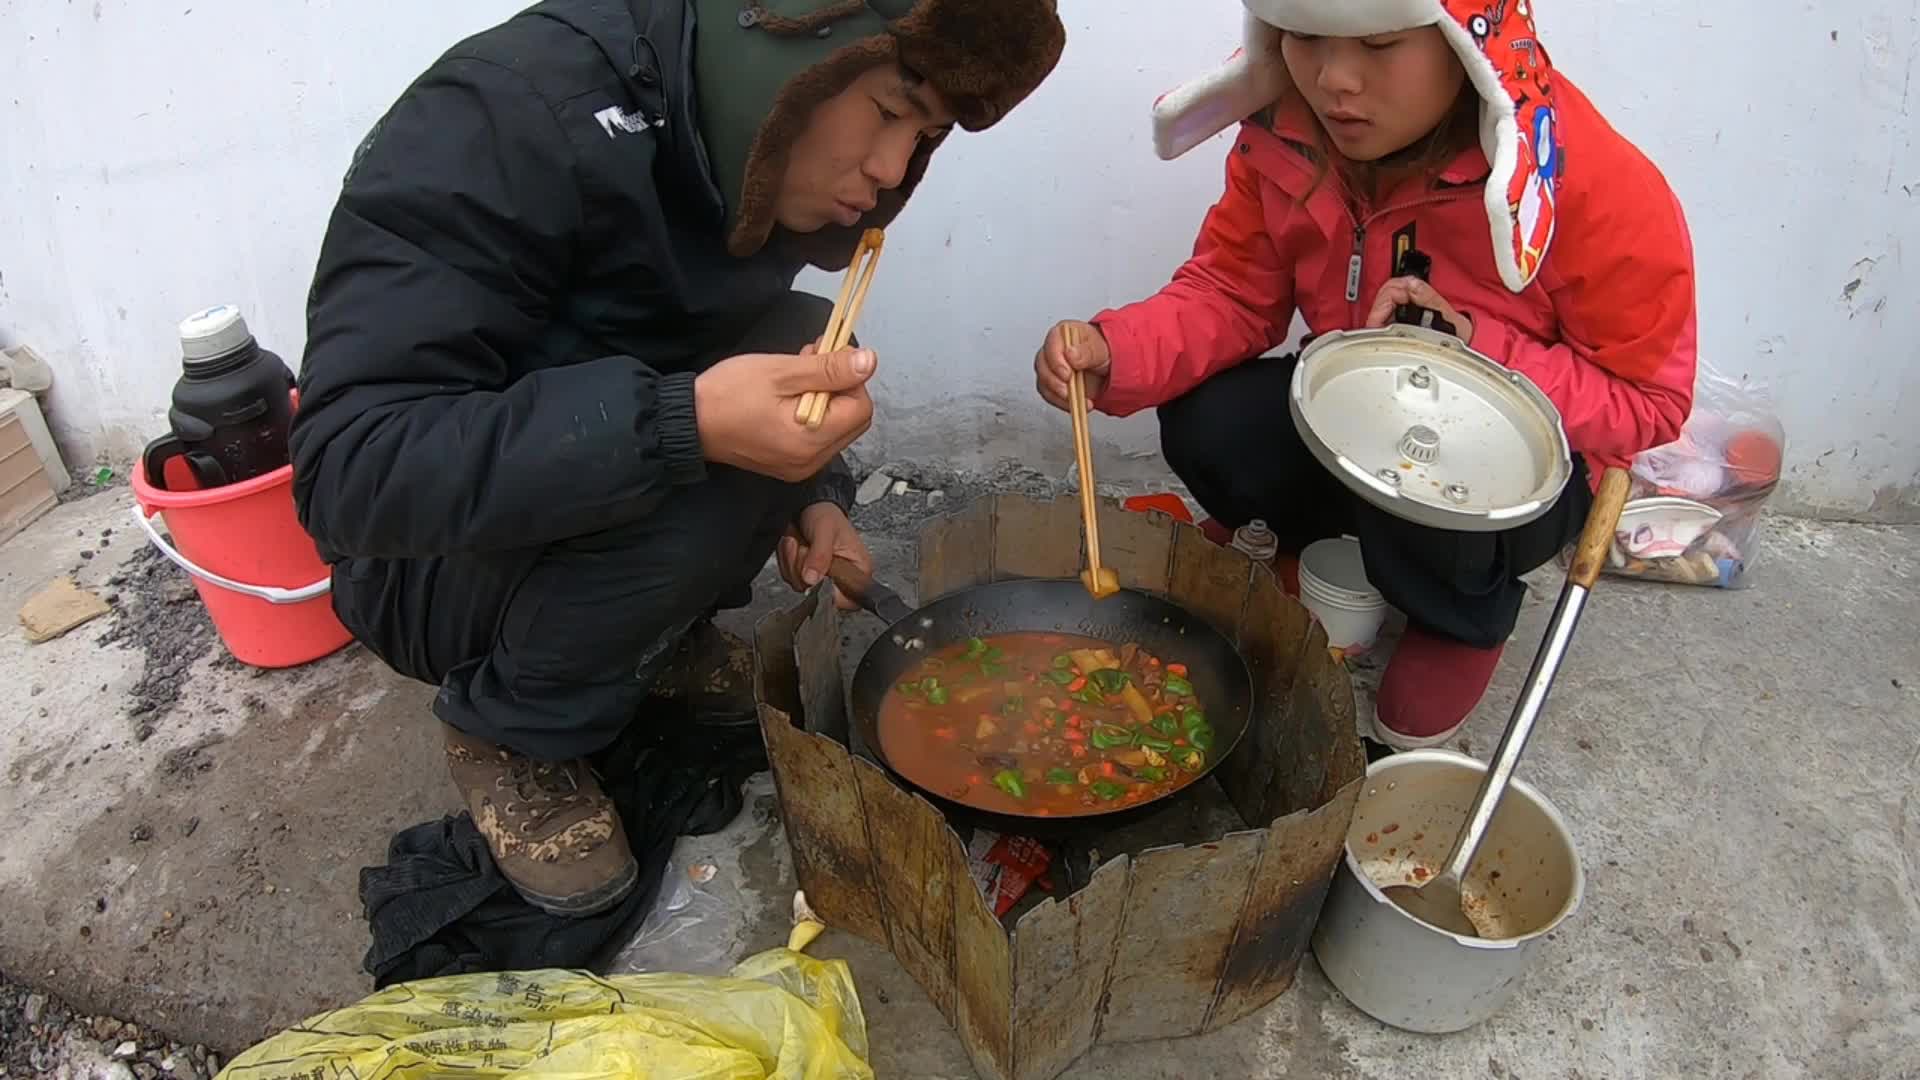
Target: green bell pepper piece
[1110,680]
[1009,781]
[937,696]
[1150,742]
[1179,686]
[1106,737]
[1151,772]
[1108,790]
[1061,776]
[1201,737]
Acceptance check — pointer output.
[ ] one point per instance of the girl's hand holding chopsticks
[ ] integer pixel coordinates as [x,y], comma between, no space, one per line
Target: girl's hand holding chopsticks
[744,406]
[1056,361]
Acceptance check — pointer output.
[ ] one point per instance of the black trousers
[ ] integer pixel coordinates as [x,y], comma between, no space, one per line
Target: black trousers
[551,650]
[1232,442]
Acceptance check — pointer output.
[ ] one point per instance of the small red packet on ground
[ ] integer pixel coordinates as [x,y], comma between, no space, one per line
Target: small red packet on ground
[1005,867]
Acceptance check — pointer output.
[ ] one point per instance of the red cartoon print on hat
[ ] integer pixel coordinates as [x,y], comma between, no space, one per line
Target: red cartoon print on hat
[1505,32]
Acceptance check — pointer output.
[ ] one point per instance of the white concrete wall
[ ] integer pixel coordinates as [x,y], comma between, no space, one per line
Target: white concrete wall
[138,186]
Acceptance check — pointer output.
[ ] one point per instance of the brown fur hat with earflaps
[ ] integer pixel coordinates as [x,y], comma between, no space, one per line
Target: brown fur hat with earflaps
[983,56]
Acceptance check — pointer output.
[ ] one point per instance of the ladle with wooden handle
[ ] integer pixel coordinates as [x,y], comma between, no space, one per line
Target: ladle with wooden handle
[1438,901]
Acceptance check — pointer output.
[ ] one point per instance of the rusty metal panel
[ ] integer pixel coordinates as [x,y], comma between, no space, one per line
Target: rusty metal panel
[1332,695]
[1138,546]
[956,551]
[1210,581]
[776,674]
[823,693]
[1289,884]
[1181,911]
[983,976]
[826,826]
[1062,953]
[914,854]
[1036,539]
[1318,733]
[1273,635]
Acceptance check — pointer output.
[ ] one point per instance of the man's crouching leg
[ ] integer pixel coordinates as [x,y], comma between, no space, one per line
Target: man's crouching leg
[580,641]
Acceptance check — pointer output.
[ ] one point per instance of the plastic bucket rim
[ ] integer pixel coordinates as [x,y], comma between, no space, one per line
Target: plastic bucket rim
[148,495]
[1342,543]
[1334,594]
[1332,604]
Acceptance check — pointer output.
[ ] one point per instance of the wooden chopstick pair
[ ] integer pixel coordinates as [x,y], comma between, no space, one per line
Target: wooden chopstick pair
[812,410]
[1101,581]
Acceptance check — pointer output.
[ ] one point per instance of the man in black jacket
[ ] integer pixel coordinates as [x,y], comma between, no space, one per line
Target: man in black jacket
[547,405]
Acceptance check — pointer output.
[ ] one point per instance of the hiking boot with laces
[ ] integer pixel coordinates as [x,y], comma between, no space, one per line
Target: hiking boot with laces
[553,833]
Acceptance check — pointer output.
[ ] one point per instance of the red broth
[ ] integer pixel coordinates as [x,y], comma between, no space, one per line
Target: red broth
[1046,725]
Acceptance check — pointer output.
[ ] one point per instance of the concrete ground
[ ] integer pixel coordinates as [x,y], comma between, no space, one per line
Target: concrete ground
[1739,769]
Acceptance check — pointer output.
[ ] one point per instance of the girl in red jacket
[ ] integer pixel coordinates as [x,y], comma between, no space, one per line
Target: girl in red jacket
[1366,127]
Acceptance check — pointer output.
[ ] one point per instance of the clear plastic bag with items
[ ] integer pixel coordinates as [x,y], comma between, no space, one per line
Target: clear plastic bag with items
[1694,515]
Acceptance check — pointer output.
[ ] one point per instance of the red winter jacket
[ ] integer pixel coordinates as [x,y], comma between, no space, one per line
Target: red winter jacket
[1606,329]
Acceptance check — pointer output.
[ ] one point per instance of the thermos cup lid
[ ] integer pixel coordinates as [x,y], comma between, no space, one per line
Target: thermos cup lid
[216,331]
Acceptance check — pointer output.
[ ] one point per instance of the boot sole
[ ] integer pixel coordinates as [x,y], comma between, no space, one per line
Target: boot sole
[583,905]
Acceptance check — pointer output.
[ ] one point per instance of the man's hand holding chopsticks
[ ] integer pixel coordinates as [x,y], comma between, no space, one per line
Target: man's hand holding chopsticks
[744,407]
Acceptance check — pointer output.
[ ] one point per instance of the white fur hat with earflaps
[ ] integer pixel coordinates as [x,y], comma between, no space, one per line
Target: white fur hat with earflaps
[1496,42]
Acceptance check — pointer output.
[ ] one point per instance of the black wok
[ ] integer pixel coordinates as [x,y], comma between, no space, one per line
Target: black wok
[1044,605]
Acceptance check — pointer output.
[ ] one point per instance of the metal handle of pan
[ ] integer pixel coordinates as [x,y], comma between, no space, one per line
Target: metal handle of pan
[859,586]
[1590,556]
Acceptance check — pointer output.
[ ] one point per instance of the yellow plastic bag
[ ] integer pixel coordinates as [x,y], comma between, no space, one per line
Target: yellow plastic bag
[781,1014]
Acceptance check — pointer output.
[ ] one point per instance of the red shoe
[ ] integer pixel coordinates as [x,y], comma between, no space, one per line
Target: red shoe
[1430,688]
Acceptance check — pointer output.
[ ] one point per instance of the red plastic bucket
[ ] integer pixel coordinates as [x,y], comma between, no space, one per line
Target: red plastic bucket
[257,571]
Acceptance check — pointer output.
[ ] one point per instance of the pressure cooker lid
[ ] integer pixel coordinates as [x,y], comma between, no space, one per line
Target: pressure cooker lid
[1428,430]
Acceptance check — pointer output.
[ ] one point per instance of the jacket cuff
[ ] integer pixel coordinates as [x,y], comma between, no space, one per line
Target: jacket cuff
[1125,394]
[834,485]
[678,429]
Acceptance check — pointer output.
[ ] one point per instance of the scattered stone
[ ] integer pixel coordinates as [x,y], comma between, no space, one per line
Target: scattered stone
[146,1072]
[36,1007]
[141,834]
[935,498]
[192,826]
[873,488]
[125,1050]
[59,608]
[900,487]
[100,905]
[167,1064]
[86,556]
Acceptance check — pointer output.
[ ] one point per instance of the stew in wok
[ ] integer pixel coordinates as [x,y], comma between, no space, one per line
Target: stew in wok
[1046,724]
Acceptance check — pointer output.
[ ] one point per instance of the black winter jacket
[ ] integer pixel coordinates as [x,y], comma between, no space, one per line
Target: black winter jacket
[523,274]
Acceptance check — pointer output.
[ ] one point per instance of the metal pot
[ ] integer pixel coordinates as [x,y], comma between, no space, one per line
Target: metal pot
[1404,972]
